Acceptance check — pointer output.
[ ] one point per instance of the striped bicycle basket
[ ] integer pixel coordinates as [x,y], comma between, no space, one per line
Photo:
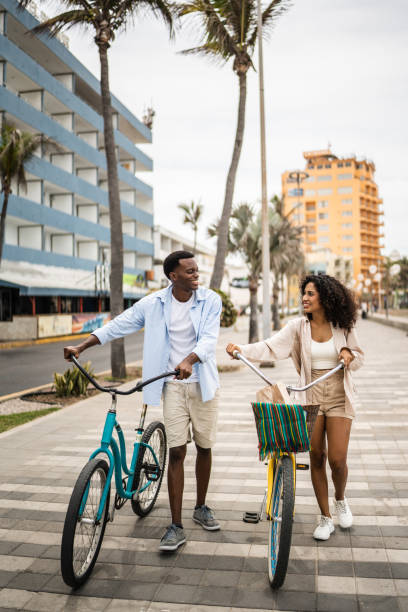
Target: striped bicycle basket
[283,427]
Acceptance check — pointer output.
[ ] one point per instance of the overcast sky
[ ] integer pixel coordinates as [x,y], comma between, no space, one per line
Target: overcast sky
[335,71]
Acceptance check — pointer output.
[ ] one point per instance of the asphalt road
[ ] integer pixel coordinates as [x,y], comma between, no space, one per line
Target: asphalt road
[31,366]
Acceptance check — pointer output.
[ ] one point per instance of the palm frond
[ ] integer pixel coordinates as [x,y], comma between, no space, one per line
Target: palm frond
[128,9]
[66,20]
[273,11]
[214,25]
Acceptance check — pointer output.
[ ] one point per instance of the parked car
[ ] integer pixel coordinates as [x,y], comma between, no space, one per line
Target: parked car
[242,283]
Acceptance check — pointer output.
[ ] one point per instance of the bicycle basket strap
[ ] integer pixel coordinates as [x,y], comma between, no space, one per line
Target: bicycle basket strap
[280,427]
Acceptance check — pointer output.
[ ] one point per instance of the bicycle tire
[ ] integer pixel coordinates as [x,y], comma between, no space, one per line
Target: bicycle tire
[281,521]
[81,542]
[155,435]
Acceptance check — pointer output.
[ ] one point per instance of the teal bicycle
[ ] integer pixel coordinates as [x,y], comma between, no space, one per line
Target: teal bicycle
[89,507]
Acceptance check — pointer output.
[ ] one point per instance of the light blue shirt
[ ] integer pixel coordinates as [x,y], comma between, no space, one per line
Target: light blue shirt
[153,313]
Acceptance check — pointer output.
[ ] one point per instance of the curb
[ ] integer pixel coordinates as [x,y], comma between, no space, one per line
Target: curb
[390,322]
[18,343]
[17,394]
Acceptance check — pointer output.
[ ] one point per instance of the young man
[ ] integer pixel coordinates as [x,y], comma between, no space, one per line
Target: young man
[181,325]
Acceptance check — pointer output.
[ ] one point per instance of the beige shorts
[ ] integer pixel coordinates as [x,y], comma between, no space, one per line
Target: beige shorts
[182,405]
[330,394]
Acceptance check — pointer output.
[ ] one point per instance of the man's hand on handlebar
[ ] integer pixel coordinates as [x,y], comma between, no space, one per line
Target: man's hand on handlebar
[346,356]
[185,368]
[231,347]
[91,340]
[71,350]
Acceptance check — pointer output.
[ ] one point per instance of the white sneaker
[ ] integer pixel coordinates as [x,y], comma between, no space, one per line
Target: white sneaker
[343,513]
[324,529]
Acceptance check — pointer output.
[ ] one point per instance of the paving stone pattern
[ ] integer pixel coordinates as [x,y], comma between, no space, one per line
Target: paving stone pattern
[363,569]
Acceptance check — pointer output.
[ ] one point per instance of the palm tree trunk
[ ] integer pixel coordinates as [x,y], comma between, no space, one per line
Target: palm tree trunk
[6,193]
[118,364]
[275,304]
[253,311]
[223,226]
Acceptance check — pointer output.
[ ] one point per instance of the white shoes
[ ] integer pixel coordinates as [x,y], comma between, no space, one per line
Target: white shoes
[324,529]
[344,515]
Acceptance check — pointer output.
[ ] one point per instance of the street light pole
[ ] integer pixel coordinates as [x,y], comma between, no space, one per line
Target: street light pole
[266,264]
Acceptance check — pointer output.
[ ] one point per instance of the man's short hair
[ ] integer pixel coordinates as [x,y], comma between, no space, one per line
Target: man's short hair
[173,259]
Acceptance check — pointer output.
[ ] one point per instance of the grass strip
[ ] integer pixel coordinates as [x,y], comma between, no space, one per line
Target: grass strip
[8,421]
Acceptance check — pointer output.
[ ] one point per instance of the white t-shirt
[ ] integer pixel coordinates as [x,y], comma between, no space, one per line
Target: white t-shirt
[324,355]
[182,336]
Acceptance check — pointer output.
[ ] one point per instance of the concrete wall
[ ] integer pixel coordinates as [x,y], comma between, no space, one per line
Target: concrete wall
[20,328]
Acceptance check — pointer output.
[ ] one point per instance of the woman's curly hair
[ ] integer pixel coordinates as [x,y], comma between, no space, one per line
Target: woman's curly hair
[337,301]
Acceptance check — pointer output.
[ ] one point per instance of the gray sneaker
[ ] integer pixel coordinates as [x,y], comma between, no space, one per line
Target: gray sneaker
[204,516]
[173,538]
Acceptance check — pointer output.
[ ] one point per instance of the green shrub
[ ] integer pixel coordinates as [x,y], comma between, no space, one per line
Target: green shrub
[229,313]
[72,382]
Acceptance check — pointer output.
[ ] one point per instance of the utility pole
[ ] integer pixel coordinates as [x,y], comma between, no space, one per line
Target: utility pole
[266,264]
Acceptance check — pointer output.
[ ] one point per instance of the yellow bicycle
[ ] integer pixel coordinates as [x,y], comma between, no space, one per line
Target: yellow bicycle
[279,499]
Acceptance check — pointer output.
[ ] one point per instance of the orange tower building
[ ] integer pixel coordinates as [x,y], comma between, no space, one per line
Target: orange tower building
[336,200]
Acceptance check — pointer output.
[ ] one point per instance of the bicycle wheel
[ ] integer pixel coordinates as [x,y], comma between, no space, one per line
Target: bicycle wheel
[82,535]
[147,471]
[281,520]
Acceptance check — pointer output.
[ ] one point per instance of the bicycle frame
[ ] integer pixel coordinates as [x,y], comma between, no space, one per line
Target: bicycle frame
[115,452]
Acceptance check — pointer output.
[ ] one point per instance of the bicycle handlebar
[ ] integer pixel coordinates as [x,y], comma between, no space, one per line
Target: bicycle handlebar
[289,388]
[138,387]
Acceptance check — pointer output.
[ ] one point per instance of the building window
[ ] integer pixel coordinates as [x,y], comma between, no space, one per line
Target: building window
[346,213]
[327,165]
[344,177]
[310,192]
[347,237]
[319,167]
[324,177]
[347,225]
[324,228]
[295,192]
[347,201]
[323,204]
[328,191]
[340,165]
[323,215]
[347,249]
[310,205]
[323,239]
[309,179]
[311,230]
[348,163]
[345,190]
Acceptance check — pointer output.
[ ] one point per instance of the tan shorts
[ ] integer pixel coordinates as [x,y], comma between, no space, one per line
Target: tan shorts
[182,405]
[330,394]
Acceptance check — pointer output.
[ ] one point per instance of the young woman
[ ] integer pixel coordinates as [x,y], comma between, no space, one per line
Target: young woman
[316,342]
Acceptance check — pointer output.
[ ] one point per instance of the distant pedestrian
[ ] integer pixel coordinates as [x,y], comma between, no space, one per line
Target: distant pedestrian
[364,309]
[181,325]
[316,342]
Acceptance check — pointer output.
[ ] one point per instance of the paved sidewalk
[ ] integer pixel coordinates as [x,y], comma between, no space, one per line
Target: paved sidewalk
[364,569]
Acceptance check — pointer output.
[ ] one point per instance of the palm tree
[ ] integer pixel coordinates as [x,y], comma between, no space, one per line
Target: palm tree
[229,31]
[192,215]
[245,238]
[285,251]
[16,148]
[106,18]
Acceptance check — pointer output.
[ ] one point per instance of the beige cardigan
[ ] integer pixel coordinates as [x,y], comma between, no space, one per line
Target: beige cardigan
[295,341]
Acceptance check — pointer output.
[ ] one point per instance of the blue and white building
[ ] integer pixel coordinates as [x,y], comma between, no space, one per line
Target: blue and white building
[57,243]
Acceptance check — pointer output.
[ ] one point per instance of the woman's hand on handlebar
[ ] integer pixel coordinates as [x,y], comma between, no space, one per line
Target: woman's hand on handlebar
[346,356]
[231,347]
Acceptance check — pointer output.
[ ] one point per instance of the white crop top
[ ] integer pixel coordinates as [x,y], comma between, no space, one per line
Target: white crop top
[324,355]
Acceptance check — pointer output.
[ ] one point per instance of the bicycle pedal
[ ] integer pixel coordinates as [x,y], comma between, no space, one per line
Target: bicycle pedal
[251,517]
[302,466]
